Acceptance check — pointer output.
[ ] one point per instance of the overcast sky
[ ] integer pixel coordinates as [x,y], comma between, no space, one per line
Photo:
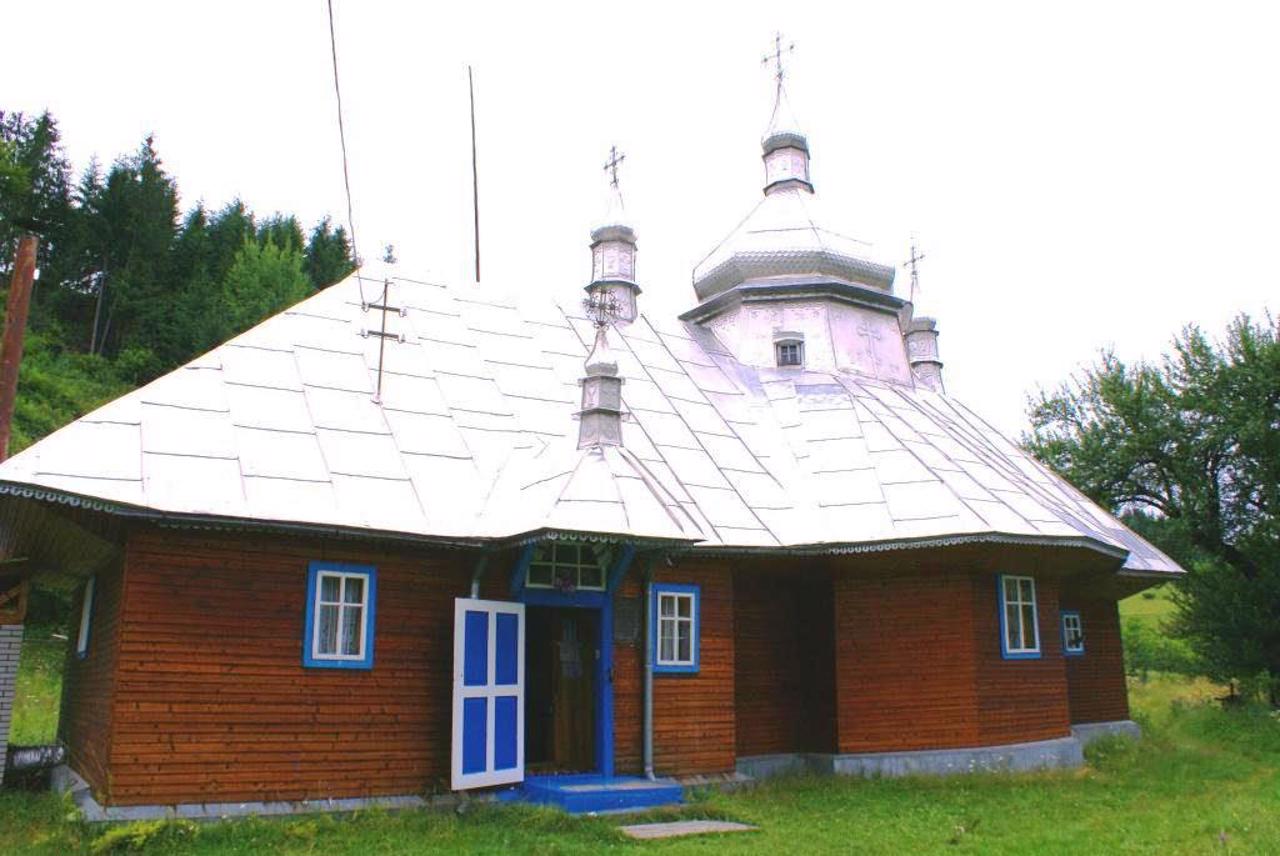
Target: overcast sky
[1081,176]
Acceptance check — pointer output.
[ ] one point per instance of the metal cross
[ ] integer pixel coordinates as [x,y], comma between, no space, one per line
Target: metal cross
[872,337]
[611,165]
[776,57]
[916,258]
[602,307]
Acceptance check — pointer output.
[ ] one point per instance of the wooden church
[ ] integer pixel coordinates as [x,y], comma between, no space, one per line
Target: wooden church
[402,540]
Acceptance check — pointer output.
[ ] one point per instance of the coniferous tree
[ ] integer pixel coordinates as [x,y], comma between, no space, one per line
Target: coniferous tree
[329,257]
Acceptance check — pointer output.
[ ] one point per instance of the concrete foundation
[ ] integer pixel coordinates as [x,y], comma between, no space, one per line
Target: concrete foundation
[1062,752]
[1087,732]
[10,648]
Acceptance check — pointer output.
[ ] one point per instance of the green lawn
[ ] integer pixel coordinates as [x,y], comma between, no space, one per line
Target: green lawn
[1203,781]
[39,690]
[1152,607]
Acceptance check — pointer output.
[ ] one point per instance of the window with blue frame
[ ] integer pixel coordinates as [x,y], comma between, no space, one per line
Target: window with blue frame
[675,628]
[340,616]
[1072,633]
[1019,627]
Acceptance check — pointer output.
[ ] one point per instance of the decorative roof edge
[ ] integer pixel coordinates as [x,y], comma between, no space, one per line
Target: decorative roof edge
[794,288]
[176,520]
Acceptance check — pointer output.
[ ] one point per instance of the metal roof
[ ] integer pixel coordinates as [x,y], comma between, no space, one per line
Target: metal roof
[475,439]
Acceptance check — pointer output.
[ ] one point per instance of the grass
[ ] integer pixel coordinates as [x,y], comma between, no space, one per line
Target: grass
[39,688]
[1204,781]
[1151,607]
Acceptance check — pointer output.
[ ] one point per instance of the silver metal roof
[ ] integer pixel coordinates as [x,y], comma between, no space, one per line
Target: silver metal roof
[475,439]
[783,236]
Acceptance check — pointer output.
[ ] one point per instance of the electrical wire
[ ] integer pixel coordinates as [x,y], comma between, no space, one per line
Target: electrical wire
[342,138]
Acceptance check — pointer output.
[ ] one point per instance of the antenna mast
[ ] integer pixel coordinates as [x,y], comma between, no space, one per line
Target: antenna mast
[475,177]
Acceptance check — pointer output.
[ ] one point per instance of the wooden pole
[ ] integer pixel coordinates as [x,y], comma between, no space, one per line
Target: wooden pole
[15,328]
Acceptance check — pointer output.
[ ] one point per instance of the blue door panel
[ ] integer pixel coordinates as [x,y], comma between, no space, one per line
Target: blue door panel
[475,725]
[507,656]
[504,732]
[476,664]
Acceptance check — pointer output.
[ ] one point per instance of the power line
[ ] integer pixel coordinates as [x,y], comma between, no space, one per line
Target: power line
[342,138]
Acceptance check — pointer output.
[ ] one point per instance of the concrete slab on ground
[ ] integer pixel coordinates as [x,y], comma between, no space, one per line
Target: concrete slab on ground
[680,828]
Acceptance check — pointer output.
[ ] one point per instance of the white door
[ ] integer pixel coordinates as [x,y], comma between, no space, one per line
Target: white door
[488,693]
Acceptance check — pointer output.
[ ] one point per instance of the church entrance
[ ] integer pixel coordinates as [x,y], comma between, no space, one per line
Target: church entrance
[562,646]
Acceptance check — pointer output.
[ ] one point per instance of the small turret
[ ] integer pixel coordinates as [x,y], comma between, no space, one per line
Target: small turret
[922,353]
[613,252]
[601,415]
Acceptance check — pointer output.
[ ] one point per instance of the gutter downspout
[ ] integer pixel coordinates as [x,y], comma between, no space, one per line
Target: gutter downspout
[481,563]
[648,668]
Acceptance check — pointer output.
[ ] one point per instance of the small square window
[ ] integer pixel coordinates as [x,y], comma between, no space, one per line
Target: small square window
[566,566]
[340,612]
[1072,634]
[790,353]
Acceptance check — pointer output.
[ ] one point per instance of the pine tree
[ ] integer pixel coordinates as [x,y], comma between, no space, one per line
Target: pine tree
[328,258]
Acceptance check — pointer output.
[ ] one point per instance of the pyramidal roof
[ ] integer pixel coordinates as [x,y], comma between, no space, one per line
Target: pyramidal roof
[479,395]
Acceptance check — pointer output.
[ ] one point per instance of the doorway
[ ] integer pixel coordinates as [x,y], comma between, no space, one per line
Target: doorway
[562,646]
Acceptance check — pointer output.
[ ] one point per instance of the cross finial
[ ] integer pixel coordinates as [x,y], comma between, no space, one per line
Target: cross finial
[611,165]
[776,57]
[911,263]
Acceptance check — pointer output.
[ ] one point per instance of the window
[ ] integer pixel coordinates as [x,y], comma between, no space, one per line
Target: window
[675,630]
[1072,634]
[340,607]
[790,352]
[566,566]
[1019,630]
[86,617]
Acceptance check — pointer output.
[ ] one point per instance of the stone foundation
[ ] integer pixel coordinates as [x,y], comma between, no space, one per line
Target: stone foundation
[10,647]
[1062,752]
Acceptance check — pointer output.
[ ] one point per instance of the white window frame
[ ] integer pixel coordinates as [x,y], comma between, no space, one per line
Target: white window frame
[318,573]
[547,556]
[86,617]
[676,662]
[1022,651]
[1072,616]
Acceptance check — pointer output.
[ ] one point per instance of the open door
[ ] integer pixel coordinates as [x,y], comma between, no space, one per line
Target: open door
[488,693]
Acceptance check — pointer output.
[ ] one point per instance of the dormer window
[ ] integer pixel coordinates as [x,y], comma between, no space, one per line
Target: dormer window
[789,351]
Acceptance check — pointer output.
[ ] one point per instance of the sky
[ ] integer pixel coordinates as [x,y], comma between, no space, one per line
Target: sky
[1080,175]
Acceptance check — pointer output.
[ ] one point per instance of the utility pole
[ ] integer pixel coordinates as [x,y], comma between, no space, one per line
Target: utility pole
[15,328]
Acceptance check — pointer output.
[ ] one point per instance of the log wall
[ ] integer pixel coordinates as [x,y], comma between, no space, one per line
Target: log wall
[89,683]
[1096,688]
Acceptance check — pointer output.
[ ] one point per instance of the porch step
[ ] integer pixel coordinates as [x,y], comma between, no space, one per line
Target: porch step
[581,794]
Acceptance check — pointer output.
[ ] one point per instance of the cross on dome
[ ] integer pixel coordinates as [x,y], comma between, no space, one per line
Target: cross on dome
[611,165]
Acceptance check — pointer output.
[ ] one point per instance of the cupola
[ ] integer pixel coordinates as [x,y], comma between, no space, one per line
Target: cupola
[613,252]
[784,290]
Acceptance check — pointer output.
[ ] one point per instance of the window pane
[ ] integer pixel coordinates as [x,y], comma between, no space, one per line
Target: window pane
[354,590]
[327,637]
[352,619]
[666,646]
[539,575]
[329,588]
[1028,626]
[1010,589]
[684,607]
[1028,591]
[1012,632]
[666,605]
[683,649]
[591,577]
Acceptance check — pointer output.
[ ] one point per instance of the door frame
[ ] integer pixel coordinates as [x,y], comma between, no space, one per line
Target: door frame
[586,599]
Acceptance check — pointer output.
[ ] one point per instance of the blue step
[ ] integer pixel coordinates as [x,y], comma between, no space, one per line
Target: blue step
[581,794]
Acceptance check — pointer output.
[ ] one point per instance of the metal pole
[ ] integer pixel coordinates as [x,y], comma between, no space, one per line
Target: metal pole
[648,669]
[475,176]
[15,328]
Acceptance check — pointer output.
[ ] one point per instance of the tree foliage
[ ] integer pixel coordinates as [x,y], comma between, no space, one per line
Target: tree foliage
[1189,450]
[130,285]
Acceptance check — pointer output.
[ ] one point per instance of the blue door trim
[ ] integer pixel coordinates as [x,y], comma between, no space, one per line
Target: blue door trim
[603,601]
